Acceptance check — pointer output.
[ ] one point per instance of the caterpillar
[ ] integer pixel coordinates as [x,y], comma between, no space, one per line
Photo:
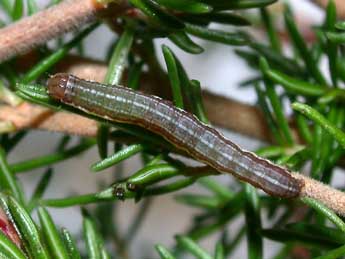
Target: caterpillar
[179,127]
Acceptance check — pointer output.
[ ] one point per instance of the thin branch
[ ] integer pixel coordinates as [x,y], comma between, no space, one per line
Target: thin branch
[30,32]
[329,196]
[31,116]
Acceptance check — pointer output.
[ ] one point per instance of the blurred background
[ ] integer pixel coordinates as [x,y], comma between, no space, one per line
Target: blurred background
[220,71]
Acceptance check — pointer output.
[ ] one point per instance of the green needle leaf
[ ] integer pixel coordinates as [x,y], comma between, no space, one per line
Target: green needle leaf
[192,247]
[303,50]
[70,244]
[253,220]
[239,4]
[224,37]
[276,105]
[287,65]
[17,11]
[322,209]
[332,48]
[117,157]
[9,249]
[8,96]
[153,173]
[268,115]
[35,91]
[32,7]
[223,18]
[102,140]
[51,159]
[182,40]
[332,95]
[134,75]
[336,37]
[164,253]
[172,187]
[171,64]
[157,15]
[119,57]
[111,193]
[27,229]
[216,188]
[333,254]
[7,178]
[301,237]
[7,6]
[340,25]
[72,201]
[200,201]
[94,242]
[321,120]
[271,30]
[190,6]
[293,85]
[51,235]
[220,251]
[197,102]
[40,189]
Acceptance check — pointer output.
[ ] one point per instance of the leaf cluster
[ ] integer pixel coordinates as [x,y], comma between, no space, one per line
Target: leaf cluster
[318,114]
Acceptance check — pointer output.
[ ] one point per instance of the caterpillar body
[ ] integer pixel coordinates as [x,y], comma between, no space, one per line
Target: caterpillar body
[183,130]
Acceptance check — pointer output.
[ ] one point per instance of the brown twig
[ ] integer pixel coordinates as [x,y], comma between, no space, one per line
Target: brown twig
[330,197]
[31,116]
[31,32]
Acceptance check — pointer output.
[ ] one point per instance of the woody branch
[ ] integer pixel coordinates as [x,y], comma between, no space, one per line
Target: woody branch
[30,32]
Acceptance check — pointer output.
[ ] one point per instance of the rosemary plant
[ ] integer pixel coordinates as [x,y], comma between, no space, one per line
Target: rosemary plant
[308,140]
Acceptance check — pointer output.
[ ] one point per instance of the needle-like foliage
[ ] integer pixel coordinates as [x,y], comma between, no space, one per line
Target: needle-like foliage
[304,111]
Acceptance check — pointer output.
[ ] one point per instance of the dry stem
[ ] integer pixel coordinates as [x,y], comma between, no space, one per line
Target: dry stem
[33,31]
[27,115]
[330,197]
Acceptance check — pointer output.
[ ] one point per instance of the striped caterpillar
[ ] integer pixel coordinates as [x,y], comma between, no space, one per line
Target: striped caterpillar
[183,130]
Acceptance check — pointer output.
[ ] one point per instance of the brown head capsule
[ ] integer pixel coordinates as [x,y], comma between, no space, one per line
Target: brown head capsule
[57,86]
